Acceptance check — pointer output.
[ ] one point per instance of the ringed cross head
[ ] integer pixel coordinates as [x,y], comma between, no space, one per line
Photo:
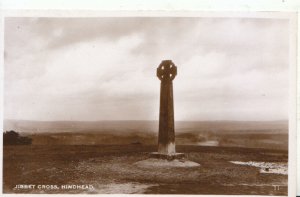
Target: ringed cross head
[166,71]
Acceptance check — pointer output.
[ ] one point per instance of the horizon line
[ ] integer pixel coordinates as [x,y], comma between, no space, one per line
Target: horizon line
[217,120]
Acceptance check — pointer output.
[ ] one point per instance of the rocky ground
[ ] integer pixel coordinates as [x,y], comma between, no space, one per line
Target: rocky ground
[114,169]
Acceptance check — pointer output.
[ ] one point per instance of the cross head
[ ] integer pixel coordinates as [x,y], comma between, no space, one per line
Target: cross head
[166,71]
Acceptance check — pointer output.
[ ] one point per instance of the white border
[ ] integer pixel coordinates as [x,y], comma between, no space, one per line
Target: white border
[145,5]
[292,161]
[1,94]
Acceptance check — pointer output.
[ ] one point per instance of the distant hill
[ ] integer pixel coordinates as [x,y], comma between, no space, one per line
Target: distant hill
[270,134]
[25,126]
[79,126]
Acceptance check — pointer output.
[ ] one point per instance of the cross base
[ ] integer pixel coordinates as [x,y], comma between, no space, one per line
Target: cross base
[168,157]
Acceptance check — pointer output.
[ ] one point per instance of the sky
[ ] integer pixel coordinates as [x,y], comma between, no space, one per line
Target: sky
[105,68]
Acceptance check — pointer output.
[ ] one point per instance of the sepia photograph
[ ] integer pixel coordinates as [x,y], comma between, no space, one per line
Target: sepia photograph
[182,104]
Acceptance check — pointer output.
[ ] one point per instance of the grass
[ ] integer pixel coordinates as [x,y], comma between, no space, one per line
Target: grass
[111,169]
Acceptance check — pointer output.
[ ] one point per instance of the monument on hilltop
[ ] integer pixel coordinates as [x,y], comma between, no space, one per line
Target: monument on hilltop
[166,155]
[166,72]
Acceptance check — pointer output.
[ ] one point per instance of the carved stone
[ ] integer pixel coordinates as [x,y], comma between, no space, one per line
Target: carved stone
[166,72]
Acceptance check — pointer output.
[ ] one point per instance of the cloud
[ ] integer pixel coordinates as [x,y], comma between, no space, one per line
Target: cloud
[104,68]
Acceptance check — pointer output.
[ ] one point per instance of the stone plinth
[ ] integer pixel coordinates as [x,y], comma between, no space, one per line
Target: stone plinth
[158,155]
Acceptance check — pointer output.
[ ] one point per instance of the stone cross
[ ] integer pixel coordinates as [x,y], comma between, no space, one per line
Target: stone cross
[166,72]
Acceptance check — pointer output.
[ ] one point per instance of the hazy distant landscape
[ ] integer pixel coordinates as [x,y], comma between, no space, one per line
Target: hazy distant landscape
[272,134]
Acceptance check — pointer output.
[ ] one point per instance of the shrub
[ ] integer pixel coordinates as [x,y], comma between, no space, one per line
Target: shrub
[14,138]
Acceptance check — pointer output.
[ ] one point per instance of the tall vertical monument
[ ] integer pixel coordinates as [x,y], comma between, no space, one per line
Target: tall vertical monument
[166,72]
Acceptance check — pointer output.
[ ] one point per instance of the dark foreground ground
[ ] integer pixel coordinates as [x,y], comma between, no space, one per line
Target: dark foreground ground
[111,169]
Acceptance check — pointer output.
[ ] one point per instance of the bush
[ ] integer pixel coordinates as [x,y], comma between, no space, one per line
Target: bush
[13,138]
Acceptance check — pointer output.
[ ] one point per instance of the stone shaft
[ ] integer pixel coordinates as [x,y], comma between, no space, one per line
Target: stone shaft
[166,72]
[166,137]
